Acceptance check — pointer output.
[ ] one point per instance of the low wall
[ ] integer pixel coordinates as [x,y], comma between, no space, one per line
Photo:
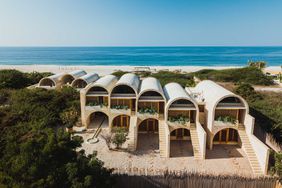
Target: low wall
[261,150]
[202,136]
[192,180]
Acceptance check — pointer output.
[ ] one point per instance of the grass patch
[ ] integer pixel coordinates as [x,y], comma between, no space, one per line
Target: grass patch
[250,75]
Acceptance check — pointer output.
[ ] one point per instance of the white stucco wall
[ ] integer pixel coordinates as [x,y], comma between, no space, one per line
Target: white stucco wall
[261,150]
[202,136]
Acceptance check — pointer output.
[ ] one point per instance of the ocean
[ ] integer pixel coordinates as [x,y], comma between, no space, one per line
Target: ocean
[140,56]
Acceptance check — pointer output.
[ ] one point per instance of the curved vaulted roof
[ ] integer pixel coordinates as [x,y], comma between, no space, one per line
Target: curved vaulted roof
[214,93]
[174,91]
[88,78]
[131,80]
[53,78]
[151,84]
[107,82]
[75,74]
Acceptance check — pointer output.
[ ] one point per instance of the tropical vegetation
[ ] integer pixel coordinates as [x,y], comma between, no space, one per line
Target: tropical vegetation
[14,79]
[249,75]
[35,148]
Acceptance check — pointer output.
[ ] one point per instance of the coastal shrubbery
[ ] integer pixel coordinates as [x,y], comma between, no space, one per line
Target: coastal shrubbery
[266,107]
[13,79]
[35,149]
[250,75]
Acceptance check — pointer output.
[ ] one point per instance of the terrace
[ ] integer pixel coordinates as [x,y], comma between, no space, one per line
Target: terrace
[181,113]
[123,99]
[97,98]
[151,104]
[229,112]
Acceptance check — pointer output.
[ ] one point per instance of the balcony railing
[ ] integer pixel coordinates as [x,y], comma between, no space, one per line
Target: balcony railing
[123,95]
[96,93]
[96,105]
[230,105]
[182,107]
[120,109]
[150,99]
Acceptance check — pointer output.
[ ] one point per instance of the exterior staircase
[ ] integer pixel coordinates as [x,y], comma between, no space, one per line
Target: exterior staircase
[162,139]
[195,142]
[248,148]
[132,134]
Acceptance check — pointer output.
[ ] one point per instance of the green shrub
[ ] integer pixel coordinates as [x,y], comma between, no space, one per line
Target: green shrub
[13,79]
[36,151]
[179,119]
[247,92]
[120,107]
[226,119]
[119,136]
[277,168]
[148,110]
[250,75]
[96,103]
[257,64]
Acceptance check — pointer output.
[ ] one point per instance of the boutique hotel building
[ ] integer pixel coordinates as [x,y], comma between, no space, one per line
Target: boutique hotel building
[203,116]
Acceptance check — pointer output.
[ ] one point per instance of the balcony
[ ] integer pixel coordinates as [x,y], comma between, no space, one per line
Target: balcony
[179,121]
[94,105]
[120,109]
[148,112]
[225,121]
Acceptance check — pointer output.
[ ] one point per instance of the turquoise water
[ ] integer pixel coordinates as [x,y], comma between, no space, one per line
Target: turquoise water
[140,56]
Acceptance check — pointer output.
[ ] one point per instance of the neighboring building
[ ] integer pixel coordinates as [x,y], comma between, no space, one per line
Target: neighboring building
[51,82]
[83,81]
[205,115]
[60,79]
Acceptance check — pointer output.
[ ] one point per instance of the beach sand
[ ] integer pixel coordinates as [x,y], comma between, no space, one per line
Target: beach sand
[104,70]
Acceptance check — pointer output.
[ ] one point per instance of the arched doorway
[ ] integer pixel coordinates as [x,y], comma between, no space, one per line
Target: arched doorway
[79,83]
[67,79]
[148,135]
[180,143]
[226,136]
[149,126]
[121,121]
[98,119]
[47,82]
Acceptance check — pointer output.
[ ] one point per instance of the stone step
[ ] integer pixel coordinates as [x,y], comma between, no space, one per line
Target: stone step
[162,139]
[195,143]
[252,157]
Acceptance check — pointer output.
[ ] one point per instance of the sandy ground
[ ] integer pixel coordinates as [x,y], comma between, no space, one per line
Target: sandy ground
[104,70]
[221,160]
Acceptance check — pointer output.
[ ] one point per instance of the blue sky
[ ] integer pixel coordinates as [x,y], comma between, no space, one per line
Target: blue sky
[140,23]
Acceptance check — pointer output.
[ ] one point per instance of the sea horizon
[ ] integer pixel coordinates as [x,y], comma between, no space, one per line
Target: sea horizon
[214,56]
